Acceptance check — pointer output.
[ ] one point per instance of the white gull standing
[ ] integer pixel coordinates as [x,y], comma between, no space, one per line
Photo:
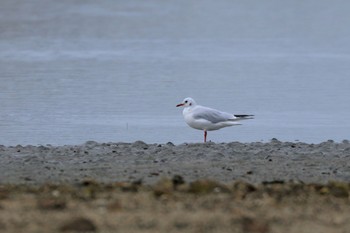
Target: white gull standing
[208,119]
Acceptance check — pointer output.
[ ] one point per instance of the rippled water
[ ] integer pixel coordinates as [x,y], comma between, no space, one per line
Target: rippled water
[74,71]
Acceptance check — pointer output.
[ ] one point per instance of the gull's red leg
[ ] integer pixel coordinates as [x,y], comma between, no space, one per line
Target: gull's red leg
[205,136]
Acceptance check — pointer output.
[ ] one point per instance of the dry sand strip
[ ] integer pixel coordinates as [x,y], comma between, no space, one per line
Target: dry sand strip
[147,163]
[173,205]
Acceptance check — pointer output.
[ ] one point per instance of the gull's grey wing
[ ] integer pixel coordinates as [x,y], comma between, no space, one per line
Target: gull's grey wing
[212,115]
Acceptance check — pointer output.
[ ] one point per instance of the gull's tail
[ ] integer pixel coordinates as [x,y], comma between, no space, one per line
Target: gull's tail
[243,117]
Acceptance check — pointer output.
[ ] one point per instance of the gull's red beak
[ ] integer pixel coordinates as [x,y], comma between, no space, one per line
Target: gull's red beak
[179,105]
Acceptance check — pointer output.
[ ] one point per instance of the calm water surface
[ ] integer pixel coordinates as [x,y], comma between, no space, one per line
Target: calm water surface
[109,71]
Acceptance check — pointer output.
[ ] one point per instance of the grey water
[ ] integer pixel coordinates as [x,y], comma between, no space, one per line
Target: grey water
[113,71]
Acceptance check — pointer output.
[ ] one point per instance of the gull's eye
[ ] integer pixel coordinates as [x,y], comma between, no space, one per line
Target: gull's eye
[186,102]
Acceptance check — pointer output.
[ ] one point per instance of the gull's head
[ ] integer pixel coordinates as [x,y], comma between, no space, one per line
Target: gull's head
[187,102]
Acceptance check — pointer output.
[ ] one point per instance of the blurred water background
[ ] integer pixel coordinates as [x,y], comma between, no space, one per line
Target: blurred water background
[113,71]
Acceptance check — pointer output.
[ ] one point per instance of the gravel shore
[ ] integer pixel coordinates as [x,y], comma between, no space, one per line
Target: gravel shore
[225,162]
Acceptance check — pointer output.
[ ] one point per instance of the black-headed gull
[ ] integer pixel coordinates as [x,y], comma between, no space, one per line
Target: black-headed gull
[208,119]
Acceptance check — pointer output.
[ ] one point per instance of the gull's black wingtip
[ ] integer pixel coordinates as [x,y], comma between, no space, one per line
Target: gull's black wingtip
[243,116]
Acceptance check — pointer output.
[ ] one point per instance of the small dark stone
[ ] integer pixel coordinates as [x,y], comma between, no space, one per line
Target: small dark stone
[51,204]
[89,182]
[137,182]
[115,206]
[273,182]
[339,189]
[252,225]
[79,225]
[2,227]
[181,225]
[178,180]
[249,172]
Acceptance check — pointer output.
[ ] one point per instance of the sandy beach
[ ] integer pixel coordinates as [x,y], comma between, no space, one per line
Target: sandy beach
[138,187]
